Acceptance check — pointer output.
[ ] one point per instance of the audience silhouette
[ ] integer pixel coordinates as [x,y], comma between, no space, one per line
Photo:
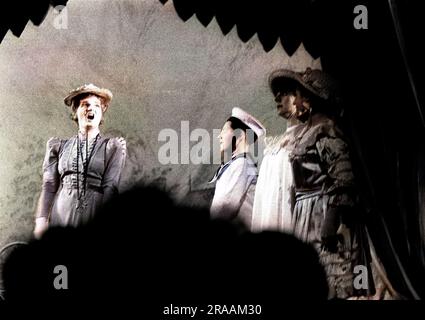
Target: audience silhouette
[144,250]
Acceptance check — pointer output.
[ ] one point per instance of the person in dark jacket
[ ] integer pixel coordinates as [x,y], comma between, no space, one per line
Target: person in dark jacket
[324,212]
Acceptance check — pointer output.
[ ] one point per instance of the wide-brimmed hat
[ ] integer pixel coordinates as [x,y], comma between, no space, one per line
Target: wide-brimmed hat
[315,81]
[249,120]
[89,88]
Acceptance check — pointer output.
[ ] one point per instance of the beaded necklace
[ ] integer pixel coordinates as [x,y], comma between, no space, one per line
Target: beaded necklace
[85,163]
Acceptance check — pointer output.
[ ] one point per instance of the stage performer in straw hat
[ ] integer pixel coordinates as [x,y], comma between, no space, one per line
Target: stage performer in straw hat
[83,172]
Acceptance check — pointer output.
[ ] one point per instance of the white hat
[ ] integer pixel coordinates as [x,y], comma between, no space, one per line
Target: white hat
[250,121]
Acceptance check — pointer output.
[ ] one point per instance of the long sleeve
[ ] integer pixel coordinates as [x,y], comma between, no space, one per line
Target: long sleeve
[51,179]
[334,154]
[115,156]
[231,189]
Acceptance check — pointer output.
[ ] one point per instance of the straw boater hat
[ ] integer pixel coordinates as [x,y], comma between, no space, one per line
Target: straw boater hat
[314,80]
[250,121]
[89,88]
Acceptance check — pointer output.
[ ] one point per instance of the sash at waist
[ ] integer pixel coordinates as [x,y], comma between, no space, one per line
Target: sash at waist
[305,194]
[92,183]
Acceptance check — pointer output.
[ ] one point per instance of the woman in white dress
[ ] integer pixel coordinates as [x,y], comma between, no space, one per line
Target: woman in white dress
[274,196]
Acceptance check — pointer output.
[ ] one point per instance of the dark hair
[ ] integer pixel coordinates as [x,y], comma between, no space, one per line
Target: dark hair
[284,86]
[236,123]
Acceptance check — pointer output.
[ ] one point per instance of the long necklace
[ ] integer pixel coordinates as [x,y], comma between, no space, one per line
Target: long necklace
[85,163]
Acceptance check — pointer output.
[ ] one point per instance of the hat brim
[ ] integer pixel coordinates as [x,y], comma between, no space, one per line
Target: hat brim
[282,78]
[250,121]
[104,93]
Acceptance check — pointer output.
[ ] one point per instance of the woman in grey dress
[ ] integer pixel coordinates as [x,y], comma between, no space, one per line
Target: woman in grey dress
[82,172]
[324,213]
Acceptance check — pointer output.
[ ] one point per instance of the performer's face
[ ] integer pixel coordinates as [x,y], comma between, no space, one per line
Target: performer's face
[292,104]
[226,136]
[90,112]
[286,104]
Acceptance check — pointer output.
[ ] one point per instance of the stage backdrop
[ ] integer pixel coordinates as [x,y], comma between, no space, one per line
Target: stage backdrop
[162,71]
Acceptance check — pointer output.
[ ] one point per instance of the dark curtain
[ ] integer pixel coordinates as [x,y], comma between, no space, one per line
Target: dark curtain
[379,71]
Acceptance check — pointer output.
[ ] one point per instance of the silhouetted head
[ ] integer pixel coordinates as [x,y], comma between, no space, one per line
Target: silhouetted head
[143,249]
